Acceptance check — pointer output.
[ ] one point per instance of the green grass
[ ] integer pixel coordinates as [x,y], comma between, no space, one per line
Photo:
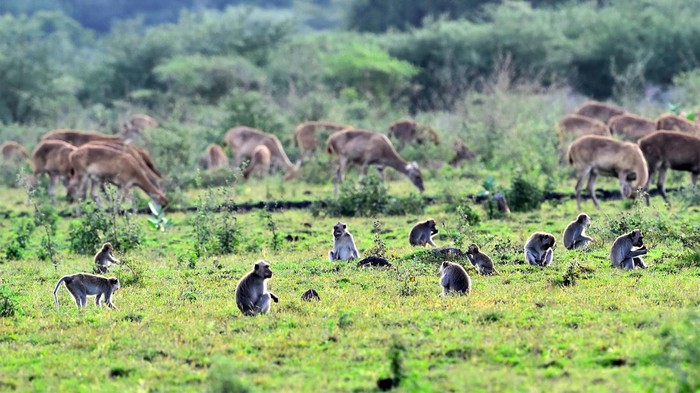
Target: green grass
[177,327]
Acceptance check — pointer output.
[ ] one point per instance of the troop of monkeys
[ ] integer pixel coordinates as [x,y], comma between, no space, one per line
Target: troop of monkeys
[253,297]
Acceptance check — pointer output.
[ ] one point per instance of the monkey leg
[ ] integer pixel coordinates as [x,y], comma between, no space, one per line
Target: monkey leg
[639,262]
[694,178]
[262,306]
[331,256]
[627,263]
[581,242]
[274,297]
[547,258]
[533,258]
[97,299]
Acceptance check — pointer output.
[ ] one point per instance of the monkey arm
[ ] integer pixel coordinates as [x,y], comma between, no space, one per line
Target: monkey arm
[636,253]
[112,259]
[331,256]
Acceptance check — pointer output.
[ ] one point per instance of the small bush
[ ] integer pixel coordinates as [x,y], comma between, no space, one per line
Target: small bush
[89,231]
[370,198]
[22,234]
[9,305]
[524,195]
[215,234]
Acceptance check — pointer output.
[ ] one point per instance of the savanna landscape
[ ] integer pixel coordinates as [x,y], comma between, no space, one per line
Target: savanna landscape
[470,106]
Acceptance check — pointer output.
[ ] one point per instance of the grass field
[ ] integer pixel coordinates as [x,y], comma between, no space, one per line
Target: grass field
[578,325]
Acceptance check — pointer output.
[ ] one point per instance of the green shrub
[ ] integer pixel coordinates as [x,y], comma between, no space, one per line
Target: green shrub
[22,231]
[524,195]
[9,304]
[215,233]
[369,198]
[252,109]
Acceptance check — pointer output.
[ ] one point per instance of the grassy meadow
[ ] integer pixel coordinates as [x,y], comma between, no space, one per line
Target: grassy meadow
[578,325]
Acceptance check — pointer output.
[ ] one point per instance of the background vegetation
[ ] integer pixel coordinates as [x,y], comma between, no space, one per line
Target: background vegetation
[491,73]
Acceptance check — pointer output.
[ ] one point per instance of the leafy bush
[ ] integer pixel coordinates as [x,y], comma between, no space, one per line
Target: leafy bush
[524,195]
[252,109]
[369,198]
[22,231]
[9,304]
[95,227]
[215,233]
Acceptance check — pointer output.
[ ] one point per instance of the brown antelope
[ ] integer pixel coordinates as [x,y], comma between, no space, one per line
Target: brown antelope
[594,155]
[52,158]
[368,148]
[599,110]
[306,138]
[666,150]
[98,163]
[244,140]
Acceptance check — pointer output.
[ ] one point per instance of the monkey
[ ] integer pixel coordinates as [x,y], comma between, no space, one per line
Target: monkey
[623,256]
[374,261]
[574,237]
[343,244]
[104,259]
[81,285]
[539,249]
[252,296]
[454,278]
[421,233]
[482,261]
[310,295]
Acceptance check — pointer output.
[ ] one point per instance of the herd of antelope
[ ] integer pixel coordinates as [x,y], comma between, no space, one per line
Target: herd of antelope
[86,160]
[607,141]
[610,141]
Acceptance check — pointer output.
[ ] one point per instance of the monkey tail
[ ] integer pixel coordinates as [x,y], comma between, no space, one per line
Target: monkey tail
[55,290]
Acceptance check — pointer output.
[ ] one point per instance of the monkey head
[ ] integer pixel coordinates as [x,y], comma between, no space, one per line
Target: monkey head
[114,282]
[637,238]
[107,247]
[473,249]
[548,240]
[262,269]
[339,229]
[414,174]
[432,226]
[584,219]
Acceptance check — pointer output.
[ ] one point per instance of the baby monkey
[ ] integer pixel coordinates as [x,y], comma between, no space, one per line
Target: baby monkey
[252,296]
[104,259]
[482,261]
[422,233]
[83,284]
[574,238]
[622,254]
[539,249]
[454,278]
[343,244]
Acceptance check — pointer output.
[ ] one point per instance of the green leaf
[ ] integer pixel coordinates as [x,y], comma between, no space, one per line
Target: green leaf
[155,208]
